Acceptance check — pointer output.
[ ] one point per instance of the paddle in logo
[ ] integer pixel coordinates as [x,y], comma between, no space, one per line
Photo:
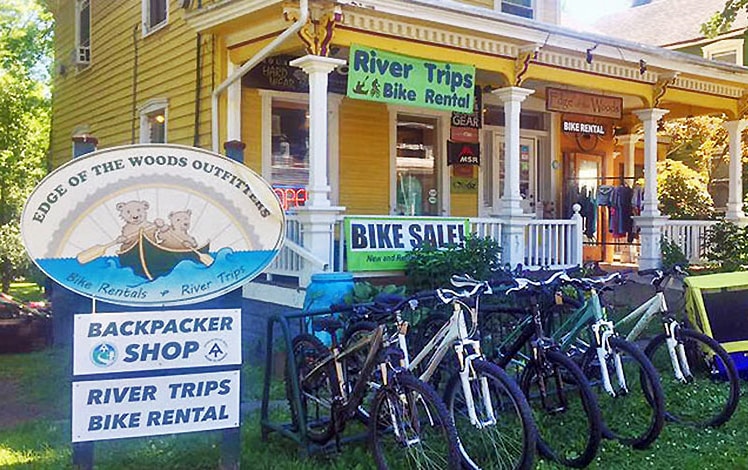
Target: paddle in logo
[153,225]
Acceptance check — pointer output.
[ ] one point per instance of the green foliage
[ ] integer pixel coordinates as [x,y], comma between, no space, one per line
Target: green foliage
[25,43]
[683,192]
[429,268]
[721,21]
[365,291]
[726,244]
[672,255]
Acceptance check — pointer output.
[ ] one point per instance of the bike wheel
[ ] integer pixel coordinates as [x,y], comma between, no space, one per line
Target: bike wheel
[635,413]
[316,391]
[565,410]
[504,436]
[425,331]
[410,426]
[710,395]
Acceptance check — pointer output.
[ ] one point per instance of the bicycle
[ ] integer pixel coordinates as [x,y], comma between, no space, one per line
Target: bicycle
[406,415]
[564,406]
[493,419]
[690,363]
[628,387]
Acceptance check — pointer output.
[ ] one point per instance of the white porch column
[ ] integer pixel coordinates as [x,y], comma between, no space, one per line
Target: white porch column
[318,216]
[234,107]
[650,221]
[628,142]
[509,205]
[735,197]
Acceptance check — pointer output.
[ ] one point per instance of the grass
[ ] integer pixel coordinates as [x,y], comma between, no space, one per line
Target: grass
[44,443]
[26,291]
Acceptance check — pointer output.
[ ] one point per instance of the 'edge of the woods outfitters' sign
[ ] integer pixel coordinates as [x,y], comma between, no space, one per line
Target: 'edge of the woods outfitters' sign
[153,226]
[381,243]
[377,75]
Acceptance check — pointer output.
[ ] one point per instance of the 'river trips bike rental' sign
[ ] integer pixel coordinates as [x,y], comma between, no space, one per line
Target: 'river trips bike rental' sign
[153,225]
[382,243]
[378,75]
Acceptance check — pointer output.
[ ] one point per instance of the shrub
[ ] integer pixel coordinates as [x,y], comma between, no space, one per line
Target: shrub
[683,193]
[672,255]
[726,244]
[429,268]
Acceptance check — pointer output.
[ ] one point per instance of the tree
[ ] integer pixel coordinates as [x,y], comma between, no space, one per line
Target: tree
[25,55]
[682,191]
[721,21]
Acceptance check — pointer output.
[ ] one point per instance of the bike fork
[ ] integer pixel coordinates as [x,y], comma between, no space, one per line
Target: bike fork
[677,353]
[603,350]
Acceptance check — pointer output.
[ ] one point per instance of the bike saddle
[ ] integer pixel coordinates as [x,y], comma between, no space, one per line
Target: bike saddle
[328,324]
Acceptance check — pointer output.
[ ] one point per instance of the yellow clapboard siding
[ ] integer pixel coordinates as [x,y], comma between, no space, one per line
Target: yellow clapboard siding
[252,128]
[364,157]
[166,70]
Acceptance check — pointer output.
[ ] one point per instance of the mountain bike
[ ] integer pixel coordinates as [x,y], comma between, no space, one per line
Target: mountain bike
[564,406]
[493,419]
[626,383]
[699,377]
[408,422]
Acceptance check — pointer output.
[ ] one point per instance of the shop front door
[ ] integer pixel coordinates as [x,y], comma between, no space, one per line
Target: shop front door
[527,165]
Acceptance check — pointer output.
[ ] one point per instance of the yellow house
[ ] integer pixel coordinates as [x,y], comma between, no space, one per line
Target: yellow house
[549,123]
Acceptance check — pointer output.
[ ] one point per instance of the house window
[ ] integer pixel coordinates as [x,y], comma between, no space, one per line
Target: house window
[153,120]
[289,158]
[417,166]
[521,8]
[82,53]
[728,50]
[155,15]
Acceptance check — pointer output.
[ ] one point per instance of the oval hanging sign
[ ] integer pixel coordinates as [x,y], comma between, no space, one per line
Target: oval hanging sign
[152,225]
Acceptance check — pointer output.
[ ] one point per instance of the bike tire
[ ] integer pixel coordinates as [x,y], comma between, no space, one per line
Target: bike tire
[316,392]
[424,332]
[510,442]
[634,417]
[715,380]
[569,434]
[420,417]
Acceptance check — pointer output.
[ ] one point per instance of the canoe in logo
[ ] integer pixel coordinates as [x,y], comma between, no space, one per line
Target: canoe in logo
[152,225]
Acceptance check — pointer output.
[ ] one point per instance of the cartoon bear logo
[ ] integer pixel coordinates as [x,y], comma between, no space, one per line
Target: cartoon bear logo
[176,235]
[135,215]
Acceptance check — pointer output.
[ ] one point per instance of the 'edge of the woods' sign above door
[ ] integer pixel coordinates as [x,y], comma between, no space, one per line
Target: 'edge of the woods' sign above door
[377,75]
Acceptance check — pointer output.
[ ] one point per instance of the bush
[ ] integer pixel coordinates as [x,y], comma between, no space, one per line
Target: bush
[672,255]
[429,268]
[726,244]
[683,193]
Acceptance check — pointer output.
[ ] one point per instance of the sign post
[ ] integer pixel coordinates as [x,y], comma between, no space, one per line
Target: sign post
[154,227]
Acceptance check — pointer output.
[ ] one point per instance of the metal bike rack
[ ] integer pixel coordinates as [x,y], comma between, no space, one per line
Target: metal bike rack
[299,436]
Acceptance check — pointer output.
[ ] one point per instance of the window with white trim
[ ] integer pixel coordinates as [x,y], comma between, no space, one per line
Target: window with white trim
[523,8]
[82,52]
[155,15]
[728,50]
[153,119]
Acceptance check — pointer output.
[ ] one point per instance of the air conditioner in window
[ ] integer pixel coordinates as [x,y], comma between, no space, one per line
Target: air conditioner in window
[83,55]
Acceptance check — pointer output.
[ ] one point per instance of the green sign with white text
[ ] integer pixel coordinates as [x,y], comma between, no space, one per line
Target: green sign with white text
[377,75]
[382,243]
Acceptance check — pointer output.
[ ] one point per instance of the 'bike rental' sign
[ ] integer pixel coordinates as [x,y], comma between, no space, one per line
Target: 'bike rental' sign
[378,75]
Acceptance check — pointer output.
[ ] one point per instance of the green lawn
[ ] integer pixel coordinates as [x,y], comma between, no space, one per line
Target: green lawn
[44,443]
[26,291]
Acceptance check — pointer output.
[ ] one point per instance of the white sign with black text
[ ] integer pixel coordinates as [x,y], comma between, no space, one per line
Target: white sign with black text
[151,406]
[105,343]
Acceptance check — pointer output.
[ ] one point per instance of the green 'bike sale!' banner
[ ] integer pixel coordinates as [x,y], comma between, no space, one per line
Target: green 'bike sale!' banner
[377,75]
[382,243]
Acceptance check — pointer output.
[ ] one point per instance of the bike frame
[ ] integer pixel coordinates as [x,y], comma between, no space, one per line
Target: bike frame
[657,304]
[453,334]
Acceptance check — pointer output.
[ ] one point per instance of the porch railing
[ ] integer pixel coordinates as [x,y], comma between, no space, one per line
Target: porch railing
[553,244]
[293,259]
[689,236]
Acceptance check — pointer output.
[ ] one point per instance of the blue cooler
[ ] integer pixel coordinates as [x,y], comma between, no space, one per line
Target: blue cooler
[324,290]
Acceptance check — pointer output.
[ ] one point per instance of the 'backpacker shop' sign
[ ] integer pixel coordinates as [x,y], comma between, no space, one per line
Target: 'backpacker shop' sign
[378,75]
[151,406]
[126,342]
[380,244]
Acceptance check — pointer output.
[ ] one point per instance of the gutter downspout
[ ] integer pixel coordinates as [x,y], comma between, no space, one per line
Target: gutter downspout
[257,58]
